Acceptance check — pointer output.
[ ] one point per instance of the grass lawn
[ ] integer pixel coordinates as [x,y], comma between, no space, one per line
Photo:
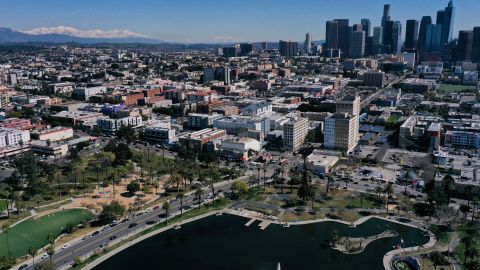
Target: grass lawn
[34,232]
[453,88]
[460,249]
[393,119]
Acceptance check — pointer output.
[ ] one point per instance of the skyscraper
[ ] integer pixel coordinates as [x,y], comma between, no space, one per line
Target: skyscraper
[308,43]
[357,27]
[331,34]
[377,35]
[246,48]
[411,35]
[366,26]
[433,38]
[343,35]
[287,48]
[465,44]
[446,18]
[386,14]
[476,45]
[357,44]
[392,36]
[426,20]
[377,40]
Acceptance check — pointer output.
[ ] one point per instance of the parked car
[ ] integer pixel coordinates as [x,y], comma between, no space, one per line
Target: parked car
[66,246]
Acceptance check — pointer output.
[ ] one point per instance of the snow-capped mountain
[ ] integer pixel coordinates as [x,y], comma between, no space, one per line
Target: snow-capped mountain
[74,32]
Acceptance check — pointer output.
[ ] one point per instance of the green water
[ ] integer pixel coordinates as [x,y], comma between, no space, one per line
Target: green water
[224,242]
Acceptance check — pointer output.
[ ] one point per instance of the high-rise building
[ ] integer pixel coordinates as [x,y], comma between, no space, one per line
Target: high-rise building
[465,44]
[294,133]
[246,49]
[386,14]
[446,18]
[411,35]
[288,48]
[341,129]
[357,27]
[208,74]
[343,35]
[264,45]
[230,51]
[349,104]
[422,34]
[366,27]
[377,40]
[357,44]
[476,45]
[433,38]
[377,35]
[341,132]
[392,33]
[308,43]
[331,34]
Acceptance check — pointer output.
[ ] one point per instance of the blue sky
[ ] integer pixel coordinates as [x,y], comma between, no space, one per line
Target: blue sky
[220,20]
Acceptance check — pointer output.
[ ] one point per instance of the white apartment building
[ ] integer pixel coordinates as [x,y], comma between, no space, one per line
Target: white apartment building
[235,124]
[84,93]
[294,133]
[262,108]
[13,137]
[160,133]
[56,134]
[341,132]
[111,125]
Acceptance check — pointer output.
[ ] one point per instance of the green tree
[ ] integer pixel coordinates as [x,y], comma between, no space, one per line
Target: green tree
[180,197]
[51,247]
[198,195]
[133,187]
[448,185]
[111,212]
[166,208]
[239,188]
[126,133]
[465,209]
[32,251]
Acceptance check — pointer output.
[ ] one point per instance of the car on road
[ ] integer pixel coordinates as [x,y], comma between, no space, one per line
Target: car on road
[44,256]
[132,225]
[156,207]
[104,244]
[113,237]
[23,266]
[186,207]
[95,233]
[86,237]
[66,246]
[151,222]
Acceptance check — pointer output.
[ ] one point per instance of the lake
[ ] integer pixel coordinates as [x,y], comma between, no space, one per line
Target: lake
[224,242]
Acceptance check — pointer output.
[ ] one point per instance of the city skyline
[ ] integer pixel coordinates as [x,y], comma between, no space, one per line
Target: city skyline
[207,21]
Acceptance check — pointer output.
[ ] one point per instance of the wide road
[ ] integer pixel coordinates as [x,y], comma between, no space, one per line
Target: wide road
[64,258]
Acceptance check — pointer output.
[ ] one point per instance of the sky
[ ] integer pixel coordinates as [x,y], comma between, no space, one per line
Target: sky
[221,20]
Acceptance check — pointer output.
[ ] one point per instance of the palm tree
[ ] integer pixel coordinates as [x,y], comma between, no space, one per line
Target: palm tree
[264,178]
[448,184]
[32,251]
[198,195]
[180,197]
[51,247]
[388,192]
[166,208]
[6,229]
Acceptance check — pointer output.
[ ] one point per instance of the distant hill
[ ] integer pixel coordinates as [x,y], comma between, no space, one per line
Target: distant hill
[8,35]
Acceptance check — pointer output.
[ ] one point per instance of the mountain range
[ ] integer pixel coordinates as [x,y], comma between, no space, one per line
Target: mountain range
[69,34]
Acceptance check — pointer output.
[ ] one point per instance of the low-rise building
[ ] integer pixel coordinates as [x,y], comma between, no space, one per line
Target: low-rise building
[56,134]
[240,148]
